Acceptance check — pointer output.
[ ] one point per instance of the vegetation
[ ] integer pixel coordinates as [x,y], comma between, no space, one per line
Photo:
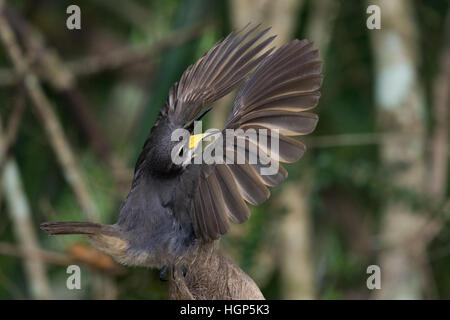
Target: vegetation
[372,188]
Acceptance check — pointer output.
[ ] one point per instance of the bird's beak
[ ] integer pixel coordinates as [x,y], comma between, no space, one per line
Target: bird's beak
[194,143]
[195,140]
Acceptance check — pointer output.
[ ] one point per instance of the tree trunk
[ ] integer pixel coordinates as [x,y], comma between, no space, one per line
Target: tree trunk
[401,110]
[210,276]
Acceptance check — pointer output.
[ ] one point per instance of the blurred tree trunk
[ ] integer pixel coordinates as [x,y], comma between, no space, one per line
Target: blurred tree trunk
[280,15]
[211,275]
[295,259]
[322,16]
[320,23]
[400,103]
[19,211]
[437,181]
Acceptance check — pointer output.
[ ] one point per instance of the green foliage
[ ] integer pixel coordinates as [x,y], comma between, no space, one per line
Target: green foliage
[352,172]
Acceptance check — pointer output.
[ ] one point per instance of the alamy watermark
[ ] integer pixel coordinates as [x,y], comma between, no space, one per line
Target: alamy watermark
[374,20]
[74,20]
[74,280]
[255,146]
[374,280]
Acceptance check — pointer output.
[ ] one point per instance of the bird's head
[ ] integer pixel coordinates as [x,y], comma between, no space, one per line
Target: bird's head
[172,148]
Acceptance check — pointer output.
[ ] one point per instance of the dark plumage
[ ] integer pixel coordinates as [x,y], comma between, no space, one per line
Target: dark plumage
[172,209]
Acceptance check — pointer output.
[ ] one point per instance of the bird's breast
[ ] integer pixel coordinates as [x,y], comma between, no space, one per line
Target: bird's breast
[156,223]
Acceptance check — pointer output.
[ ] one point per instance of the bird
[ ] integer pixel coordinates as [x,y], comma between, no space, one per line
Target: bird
[172,209]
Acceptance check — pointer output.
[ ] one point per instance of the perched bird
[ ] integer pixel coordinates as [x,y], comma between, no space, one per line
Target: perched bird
[172,209]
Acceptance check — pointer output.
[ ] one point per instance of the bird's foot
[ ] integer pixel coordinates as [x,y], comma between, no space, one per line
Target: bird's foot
[164,273]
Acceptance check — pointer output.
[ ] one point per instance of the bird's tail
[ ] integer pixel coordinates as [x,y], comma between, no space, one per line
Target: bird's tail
[88,228]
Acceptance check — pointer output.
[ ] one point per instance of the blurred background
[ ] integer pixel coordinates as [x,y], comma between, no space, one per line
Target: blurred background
[77,105]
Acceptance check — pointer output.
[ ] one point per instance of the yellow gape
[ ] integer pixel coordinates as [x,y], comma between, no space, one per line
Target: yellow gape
[195,139]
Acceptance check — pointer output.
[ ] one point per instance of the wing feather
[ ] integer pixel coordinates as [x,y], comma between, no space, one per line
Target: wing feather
[216,73]
[284,85]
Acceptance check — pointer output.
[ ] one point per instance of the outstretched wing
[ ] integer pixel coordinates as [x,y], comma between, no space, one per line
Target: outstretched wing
[216,73]
[285,85]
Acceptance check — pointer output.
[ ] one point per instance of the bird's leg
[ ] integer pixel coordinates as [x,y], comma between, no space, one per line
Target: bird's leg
[163,274]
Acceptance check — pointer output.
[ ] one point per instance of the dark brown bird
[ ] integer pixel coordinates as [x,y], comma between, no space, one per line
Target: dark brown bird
[172,209]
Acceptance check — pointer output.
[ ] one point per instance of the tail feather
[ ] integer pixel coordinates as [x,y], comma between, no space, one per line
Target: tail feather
[87,228]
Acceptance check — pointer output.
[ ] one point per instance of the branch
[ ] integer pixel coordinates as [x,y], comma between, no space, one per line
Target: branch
[63,81]
[119,58]
[49,120]
[394,99]
[10,137]
[76,253]
[44,255]
[437,182]
[62,77]
[354,139]
[128,55]
[19,211]
[130,11]
[210,276]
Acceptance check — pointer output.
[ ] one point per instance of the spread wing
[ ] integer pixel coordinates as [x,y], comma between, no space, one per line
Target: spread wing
[219,71]
[276,96]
